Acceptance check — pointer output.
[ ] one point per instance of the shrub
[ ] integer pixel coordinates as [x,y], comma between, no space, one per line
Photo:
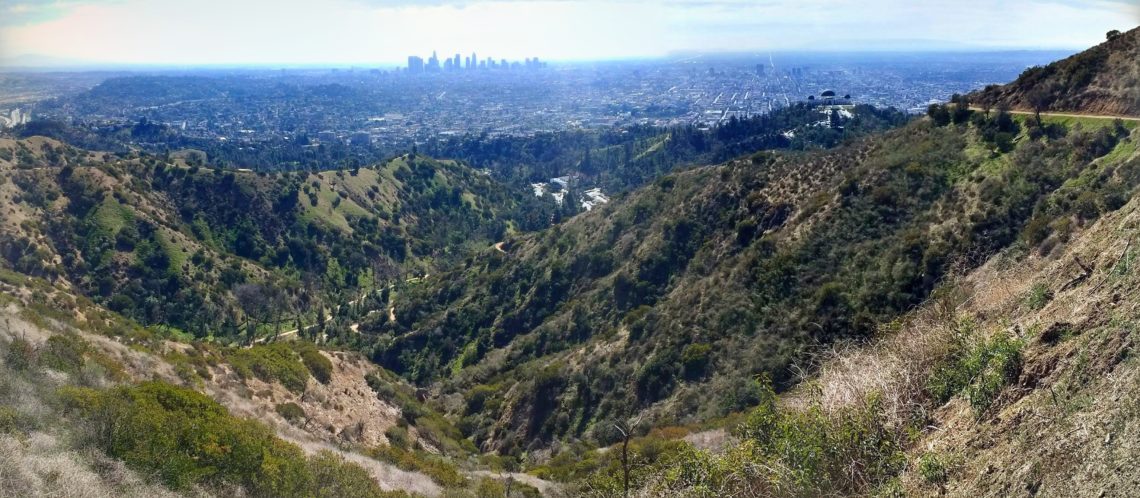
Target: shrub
[13,421]
[437,468]
[1039,296]
[932,470]
[275,362]
[290,411]
[979,372]
[695,360]
[63,353]
[397,436]
[850,451]
[185,439]
[318,364]
[333,477]
[21,354]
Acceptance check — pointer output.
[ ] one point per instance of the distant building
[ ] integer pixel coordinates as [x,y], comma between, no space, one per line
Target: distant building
[829,97]
[415,64]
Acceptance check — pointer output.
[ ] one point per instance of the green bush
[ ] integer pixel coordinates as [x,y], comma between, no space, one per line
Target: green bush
[397,436]
[333,477]
[979,372]
[932,470]
[1039,296]
[695,360]
[275,362]
[21,354]
[12,421]
[63,352]
[851,451]
[319,365]
[437,468]
[185,439]
[290,411]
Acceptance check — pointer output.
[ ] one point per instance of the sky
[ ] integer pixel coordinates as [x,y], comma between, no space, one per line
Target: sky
[378,32]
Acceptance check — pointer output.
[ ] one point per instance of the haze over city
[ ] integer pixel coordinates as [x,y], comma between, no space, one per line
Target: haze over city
[381,32]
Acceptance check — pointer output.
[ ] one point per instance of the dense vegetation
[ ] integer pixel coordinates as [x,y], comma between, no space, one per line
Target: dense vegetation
[671,299]
[227,253]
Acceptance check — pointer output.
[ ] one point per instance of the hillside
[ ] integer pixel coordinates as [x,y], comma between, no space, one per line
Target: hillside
[92,404]
[1017,378]
[945,307]
[665,303]
[165,241]
[1103,80]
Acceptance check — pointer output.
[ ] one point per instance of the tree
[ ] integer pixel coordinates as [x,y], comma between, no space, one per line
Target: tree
[626,432]
[258,302]
[1112,35]
[1039,100]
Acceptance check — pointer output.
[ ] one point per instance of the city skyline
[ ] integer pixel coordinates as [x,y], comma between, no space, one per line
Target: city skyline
[417,64]
[383,33]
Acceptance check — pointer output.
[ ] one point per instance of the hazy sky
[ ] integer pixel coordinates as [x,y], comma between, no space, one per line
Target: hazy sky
[184,32]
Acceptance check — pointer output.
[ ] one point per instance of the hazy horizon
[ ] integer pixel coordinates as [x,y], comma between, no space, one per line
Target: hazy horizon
[340,33]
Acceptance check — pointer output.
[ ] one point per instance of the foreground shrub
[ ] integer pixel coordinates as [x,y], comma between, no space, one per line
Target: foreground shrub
[186,439]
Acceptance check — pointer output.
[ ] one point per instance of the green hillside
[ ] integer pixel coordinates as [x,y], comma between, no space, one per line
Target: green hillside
[165,242]
[667,302]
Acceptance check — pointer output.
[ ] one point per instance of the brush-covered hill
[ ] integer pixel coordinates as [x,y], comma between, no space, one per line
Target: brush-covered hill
[1102,80]
[667,302]
[1017,378]
[94,404]
[165,241]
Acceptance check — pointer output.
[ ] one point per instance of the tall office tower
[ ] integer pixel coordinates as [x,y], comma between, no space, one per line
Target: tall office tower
[433,62]
[415,64]
[505,65]
[455,63]
[474,61]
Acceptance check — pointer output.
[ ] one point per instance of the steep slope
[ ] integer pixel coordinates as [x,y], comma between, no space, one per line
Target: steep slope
[60,354]
[1015,379]
[165,241]
[666,302]
[1103,80]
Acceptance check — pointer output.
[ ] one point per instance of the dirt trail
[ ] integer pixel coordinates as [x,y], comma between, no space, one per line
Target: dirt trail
[546,488]
[1065,114]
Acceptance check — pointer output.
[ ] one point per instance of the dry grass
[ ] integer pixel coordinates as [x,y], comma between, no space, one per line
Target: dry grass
[42,465]
[894,370]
